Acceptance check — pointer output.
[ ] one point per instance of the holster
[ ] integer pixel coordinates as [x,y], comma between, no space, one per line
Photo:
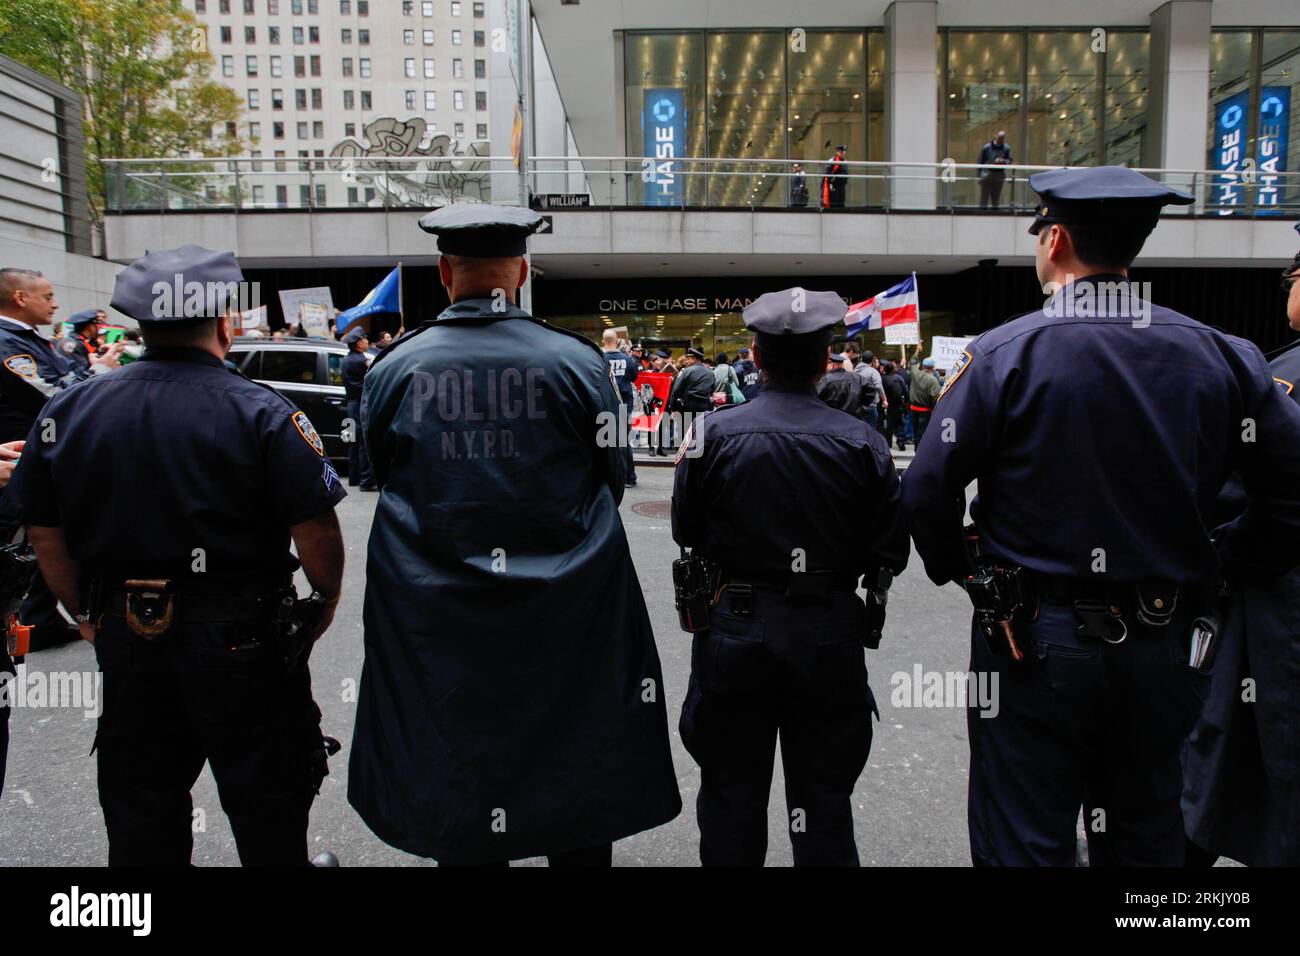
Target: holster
[877,597]
[297,619]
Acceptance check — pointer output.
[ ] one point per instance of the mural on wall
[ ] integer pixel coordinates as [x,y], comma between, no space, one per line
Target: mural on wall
[451,175]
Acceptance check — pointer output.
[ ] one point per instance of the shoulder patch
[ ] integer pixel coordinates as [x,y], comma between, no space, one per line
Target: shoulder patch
[24,366]
[1284,384]
[308,432]
[68,346]
[954,373]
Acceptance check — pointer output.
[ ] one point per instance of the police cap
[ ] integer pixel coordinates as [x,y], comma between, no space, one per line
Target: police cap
[188,284]
[794,312]
[354,336]
[1101,194]
[481,229]
[695,354]
[80,320]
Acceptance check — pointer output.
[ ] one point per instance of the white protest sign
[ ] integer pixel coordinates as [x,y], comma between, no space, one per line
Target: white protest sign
[903,333]
[290,299]
[946,349]
[314,318]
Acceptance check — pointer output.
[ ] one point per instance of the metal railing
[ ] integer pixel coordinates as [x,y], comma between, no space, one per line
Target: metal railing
[401,182]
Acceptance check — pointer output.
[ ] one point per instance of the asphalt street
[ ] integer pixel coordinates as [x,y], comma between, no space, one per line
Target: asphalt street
[910,802]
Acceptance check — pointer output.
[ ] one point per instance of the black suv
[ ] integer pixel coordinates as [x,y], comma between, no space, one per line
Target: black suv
[309,373]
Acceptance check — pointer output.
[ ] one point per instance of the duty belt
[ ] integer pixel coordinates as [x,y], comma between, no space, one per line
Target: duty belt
[1102,607]
[798,586]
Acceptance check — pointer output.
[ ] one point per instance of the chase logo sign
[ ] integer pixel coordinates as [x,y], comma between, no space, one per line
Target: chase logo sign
[1229,151]
[1274,129]
[663,120]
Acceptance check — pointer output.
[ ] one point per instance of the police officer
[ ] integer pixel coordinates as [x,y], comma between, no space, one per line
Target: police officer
[355,364]
[83,341]
[783,652]
[747,372]
[511,701]
[1092,553]
[624,368]
[1241,779]
[32,370]
[182,607]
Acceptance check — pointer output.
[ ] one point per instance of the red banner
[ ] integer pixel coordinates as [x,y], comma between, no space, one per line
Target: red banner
[653,388]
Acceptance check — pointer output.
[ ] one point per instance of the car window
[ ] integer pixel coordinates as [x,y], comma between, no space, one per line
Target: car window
[249,362]
[288,366]
[335,368]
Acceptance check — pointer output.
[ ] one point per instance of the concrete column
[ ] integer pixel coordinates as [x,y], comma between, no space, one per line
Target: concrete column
[1180,87]
[911,98]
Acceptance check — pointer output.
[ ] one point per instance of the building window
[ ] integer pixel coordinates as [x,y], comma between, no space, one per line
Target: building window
[455,8]
[248,6]
[455,38]
[273,7]
[225,35]
[250,34]
[254,99]
[480,38]
[430,100]
[345,7]
[277,66]
[349,129]
[277,99]
[478,11]
[302,130]
[428,38]
[345,35]
[282,196]
[277,130]
[365,68]
[223,6]
[259,192]
[254,130]
[200,6]
[458,99]
[480,69]
[313,7]
[408,66]
[426,8]
[481,131]
[460,130]
[279,161]
[227,66]
[313,34]
[429,71]
[408,7]
[457,69]
[408,37]
[318,129]
[480,101]
[347,66]
[300,99]
[410,99]
[274,33]
[297,36]
[363,8]
[250,65]
[299,66]
[315,66]
[317,99]
[349,100]
[365,100]
[363,37]
[296,7]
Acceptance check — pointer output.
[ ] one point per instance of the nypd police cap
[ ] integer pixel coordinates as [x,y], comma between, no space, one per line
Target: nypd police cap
[481,229]
[178,285]
[1109,194]
[85,317]
[354,335]
[794,312]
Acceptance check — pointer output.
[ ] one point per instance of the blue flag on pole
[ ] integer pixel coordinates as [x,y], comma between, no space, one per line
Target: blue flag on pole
[383,299]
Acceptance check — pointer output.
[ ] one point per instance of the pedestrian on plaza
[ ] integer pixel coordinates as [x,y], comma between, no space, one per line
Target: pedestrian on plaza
[512,703]
[355,364]
[747,373]
[782,655]
[835,180]
[725,379]
[993,154]
[185,609]
[896,404]
[865,366]
[840,388]
[624,369]
[1091,565]
[798,187]
[922,394]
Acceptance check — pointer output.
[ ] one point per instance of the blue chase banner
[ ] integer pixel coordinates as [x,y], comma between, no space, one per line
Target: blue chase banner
[1229,151]
[663,123]
[1274,131]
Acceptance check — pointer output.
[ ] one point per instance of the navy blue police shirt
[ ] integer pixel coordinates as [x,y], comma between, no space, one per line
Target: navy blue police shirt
[757,481]
[170,454]
[355,365]
[625,368]
[31,371]
[747,373]
[1099,443]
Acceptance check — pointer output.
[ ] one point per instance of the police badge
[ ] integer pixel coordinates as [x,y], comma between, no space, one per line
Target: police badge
[308,432]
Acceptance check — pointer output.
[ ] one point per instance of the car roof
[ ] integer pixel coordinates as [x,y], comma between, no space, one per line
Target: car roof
[295,343]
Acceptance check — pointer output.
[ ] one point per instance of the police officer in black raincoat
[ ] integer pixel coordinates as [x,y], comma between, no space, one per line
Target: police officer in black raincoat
[1097,493]
[179,582]
[761,490]
[1241,765]
[511,702]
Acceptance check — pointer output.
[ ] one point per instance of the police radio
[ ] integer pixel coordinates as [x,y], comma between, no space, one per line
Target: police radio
[696,584]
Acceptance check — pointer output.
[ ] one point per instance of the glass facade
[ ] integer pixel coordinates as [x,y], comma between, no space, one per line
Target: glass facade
[1063,97]
[752,95]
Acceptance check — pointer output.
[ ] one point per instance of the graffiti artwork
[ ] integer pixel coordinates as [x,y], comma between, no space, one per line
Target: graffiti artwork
[449,175]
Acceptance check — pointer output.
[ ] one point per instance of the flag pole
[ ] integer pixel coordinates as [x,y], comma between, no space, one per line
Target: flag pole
[401,313]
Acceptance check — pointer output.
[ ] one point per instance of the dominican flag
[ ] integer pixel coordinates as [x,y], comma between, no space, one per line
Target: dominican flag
[897,305]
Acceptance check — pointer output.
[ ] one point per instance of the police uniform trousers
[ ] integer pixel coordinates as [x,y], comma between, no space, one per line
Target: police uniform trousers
[628,461]
[6,674]
[358,458]
[1081,722]
[204,692]
[789,669]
